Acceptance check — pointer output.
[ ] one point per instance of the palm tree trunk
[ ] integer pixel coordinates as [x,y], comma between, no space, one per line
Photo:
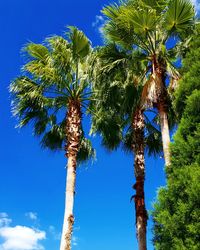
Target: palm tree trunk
[161,104]
[165,132]
[73,131]
[141,213]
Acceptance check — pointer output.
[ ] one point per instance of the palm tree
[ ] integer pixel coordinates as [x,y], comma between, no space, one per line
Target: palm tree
[52,93]
[120,118]
[157,29]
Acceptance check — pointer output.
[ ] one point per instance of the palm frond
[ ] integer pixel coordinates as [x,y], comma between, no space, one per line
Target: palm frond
[54,139]
[116,34]
[140,21]
[153,139]
[86,151]
[81,46]
[111,11]
[36,51]
[158,5]
[60,53]
[102,124]
[180,16]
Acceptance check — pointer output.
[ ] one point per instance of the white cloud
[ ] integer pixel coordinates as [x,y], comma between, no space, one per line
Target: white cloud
[19,237]
[4,220]
[54,233]
[99,23]
[32,215]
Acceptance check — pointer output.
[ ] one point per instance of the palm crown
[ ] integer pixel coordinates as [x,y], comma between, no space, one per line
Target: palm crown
[55,75]
[148,25]
[118,81]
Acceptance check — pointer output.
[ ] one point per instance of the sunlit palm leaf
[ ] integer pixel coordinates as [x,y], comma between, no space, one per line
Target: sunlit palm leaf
[80,43]
[141,21]
[112,11]
[179,16]
[36,51]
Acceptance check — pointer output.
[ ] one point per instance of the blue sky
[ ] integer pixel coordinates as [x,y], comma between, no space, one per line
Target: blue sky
[32,181]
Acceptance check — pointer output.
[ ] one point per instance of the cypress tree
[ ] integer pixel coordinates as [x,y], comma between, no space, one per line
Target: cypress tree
[177,211]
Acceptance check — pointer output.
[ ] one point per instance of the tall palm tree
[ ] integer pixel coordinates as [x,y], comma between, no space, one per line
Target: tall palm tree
[157,29]
[120,118]
[52,93]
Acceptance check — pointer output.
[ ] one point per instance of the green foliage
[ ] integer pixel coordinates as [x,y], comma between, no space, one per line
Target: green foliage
[187,149]
[137,32]
[118,79]
[80,44]
[176,214]
[147,26]
[56,72]
[179,16]
[152,140]
[191,73]
[177,211]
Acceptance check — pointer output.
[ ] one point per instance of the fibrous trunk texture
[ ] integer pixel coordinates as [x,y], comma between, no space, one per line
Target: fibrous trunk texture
[139,198]
[165,132]
[162,106]
[73,132]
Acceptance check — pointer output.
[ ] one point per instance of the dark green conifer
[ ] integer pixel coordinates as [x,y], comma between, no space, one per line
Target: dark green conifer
[177,211]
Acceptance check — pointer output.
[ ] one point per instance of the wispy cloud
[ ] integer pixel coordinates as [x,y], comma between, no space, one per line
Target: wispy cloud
[74,241]
[77,228]
[19,237]
[4,220]
[99,23]
[56,235]
[197,5]
[31,215]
